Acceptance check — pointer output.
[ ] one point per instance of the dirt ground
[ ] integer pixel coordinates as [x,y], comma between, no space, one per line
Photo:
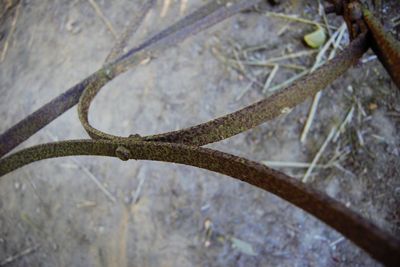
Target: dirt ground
[92,211]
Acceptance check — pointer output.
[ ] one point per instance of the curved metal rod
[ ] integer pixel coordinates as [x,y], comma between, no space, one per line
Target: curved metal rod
[378,243]
[205,17]
[166,147]
[248,117]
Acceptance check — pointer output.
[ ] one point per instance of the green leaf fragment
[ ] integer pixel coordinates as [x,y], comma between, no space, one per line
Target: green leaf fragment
[316,39]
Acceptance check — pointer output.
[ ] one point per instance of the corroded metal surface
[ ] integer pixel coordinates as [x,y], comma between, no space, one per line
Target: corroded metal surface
[375,241]
[360,19]
[246,118]
[201,19]
[385,46]
[183,146]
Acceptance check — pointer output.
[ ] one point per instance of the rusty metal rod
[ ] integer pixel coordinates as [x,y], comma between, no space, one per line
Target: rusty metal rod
[377,242]
[205,17]
[385,46]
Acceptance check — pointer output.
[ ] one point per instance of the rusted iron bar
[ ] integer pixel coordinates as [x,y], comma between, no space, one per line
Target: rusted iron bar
[377,242]
[385,46]
[248,117]
[184,146]
[360,19]
[205,17]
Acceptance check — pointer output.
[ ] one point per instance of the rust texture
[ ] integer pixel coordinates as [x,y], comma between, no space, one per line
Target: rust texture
[248,117]
[184,146]
[360,19]
[205,17]
[375,241]
[385,46]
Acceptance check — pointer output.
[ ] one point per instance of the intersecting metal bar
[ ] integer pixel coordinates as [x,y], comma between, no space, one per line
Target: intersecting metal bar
[377,242]
[184,146]
[205,17]
[250,116]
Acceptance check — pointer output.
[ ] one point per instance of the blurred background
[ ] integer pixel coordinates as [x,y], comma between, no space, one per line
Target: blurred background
[97,211]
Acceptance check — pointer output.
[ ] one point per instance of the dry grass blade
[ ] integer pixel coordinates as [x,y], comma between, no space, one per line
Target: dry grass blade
[270,78]
[281,58]
[290,164]
[334,40]
[183,7]
[242,68]
[165,8]
[129,31]
[19,255]
[244,91]
[88,173]
[9,36]
[289,81]
[310,118]
[345,122]
[318,155]
[136,195]
[296,19]
[267,64]
[101,15]
[322,13]
[270,62]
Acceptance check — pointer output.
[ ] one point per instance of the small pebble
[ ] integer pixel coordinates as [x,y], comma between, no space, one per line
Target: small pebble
[350,89]
[73,26]
[17,185]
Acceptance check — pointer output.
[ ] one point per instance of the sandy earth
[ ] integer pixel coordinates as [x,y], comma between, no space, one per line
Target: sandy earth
[159,214]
